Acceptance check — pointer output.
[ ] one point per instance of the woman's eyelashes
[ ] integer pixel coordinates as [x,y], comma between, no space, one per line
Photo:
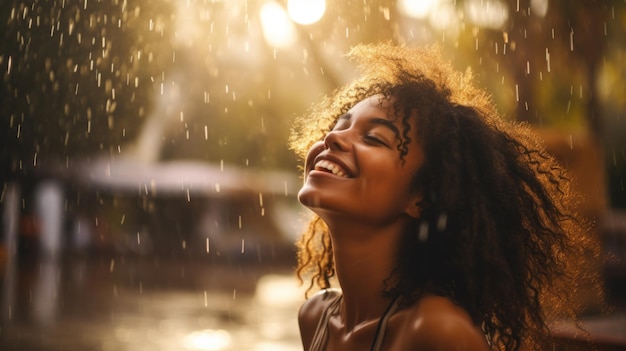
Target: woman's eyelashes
[375,140]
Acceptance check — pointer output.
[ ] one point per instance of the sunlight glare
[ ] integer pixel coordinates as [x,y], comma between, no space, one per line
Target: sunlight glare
[444,17]
[306,11]
[490,14]
[278,29]
[416,8]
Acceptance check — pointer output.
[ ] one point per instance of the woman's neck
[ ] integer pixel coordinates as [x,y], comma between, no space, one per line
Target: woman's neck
[364,261]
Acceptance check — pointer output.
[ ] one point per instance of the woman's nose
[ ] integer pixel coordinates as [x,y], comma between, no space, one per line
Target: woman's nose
[337,140]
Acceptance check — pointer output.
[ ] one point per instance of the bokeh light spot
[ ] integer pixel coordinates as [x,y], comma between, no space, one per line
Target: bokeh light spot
[306,11]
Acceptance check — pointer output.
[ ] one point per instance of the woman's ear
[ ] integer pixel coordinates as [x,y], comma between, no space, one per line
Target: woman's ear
[414,208]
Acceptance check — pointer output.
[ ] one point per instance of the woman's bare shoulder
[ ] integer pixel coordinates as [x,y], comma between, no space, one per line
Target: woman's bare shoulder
[311,311]
[436,323]
[316,304]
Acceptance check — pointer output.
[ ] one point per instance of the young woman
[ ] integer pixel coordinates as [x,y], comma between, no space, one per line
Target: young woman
[444,226]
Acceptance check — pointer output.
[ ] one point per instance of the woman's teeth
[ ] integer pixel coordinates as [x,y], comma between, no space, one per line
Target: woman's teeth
[330,167]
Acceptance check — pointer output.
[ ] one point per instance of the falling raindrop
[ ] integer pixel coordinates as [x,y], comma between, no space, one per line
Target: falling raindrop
[422,234]
[442,222]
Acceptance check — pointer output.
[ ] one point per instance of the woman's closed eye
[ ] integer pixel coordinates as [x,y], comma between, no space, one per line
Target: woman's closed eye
[373,139]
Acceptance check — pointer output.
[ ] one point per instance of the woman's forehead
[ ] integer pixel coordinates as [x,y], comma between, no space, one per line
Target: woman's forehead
[378,103]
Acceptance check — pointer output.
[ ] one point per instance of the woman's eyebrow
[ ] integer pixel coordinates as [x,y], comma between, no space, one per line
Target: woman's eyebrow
[374,120]
[386,123]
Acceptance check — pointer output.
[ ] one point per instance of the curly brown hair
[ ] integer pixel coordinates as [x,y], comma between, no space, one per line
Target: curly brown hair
[497,228]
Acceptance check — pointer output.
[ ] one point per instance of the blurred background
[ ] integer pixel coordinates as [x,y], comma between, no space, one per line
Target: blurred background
[146,188]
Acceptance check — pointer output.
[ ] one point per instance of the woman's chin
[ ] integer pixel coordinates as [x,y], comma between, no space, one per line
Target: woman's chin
[308,198]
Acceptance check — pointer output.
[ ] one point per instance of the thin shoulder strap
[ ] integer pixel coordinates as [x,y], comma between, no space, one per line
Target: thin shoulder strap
[379,337]
[321,332]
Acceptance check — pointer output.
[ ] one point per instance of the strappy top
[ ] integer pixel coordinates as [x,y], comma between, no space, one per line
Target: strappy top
[320,338]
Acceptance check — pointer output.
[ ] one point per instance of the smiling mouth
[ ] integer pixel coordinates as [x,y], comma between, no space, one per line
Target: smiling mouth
[330,167]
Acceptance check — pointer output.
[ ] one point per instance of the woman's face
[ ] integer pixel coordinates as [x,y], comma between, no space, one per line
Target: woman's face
[356,171]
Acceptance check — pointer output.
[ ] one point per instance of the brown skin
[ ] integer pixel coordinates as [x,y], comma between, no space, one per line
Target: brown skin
[367,206]
[433,323]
